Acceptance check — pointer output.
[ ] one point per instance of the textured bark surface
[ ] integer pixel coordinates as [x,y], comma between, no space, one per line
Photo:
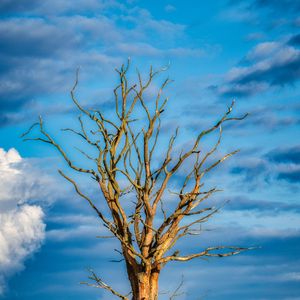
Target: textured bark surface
[145,286]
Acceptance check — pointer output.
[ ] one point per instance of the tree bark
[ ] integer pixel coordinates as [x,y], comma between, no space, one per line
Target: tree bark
[146,286]
[144,283]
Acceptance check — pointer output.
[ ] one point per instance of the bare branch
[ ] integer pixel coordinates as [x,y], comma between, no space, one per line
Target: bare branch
[177,292]
[29,130]
[231,250]
[108,223]
[124,156]
[99,283]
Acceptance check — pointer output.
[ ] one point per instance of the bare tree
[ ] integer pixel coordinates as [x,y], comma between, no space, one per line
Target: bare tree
[146,229]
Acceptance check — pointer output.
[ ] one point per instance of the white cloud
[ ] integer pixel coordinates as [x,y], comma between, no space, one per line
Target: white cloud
[20,182]
[263,50]
[21,232]
[22,229]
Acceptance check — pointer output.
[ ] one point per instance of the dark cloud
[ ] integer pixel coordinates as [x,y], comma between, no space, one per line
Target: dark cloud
[271,16]
[292,176]
[277,164]
[252,170]
[285,155]
[9,6]
[268,65]
[295,40]
[279,74]
[278,5]
[34,38]
[262,206]
[281,8]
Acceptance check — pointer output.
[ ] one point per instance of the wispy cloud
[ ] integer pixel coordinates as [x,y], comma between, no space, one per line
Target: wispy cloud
[277,164]
[34,63]
[262,207]
[267,13]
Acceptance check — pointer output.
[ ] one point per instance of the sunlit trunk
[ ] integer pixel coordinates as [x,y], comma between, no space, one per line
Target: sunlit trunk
[144,282]
[145,286]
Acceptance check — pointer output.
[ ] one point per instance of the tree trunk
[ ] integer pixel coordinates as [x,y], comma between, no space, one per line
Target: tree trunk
[144,284]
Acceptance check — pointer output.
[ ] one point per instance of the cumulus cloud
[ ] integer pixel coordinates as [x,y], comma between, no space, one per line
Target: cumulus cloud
[22,228]
[21,233]
[20,182]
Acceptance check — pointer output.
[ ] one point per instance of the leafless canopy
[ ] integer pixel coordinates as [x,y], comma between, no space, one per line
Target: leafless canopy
[125,157]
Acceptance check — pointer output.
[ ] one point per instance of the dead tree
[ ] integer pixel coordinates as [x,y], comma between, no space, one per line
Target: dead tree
[125,151]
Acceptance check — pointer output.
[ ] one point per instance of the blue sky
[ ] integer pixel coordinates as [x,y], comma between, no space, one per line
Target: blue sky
[247,50]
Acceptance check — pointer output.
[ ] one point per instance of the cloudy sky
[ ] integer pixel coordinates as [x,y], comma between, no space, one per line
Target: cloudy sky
[248,50]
